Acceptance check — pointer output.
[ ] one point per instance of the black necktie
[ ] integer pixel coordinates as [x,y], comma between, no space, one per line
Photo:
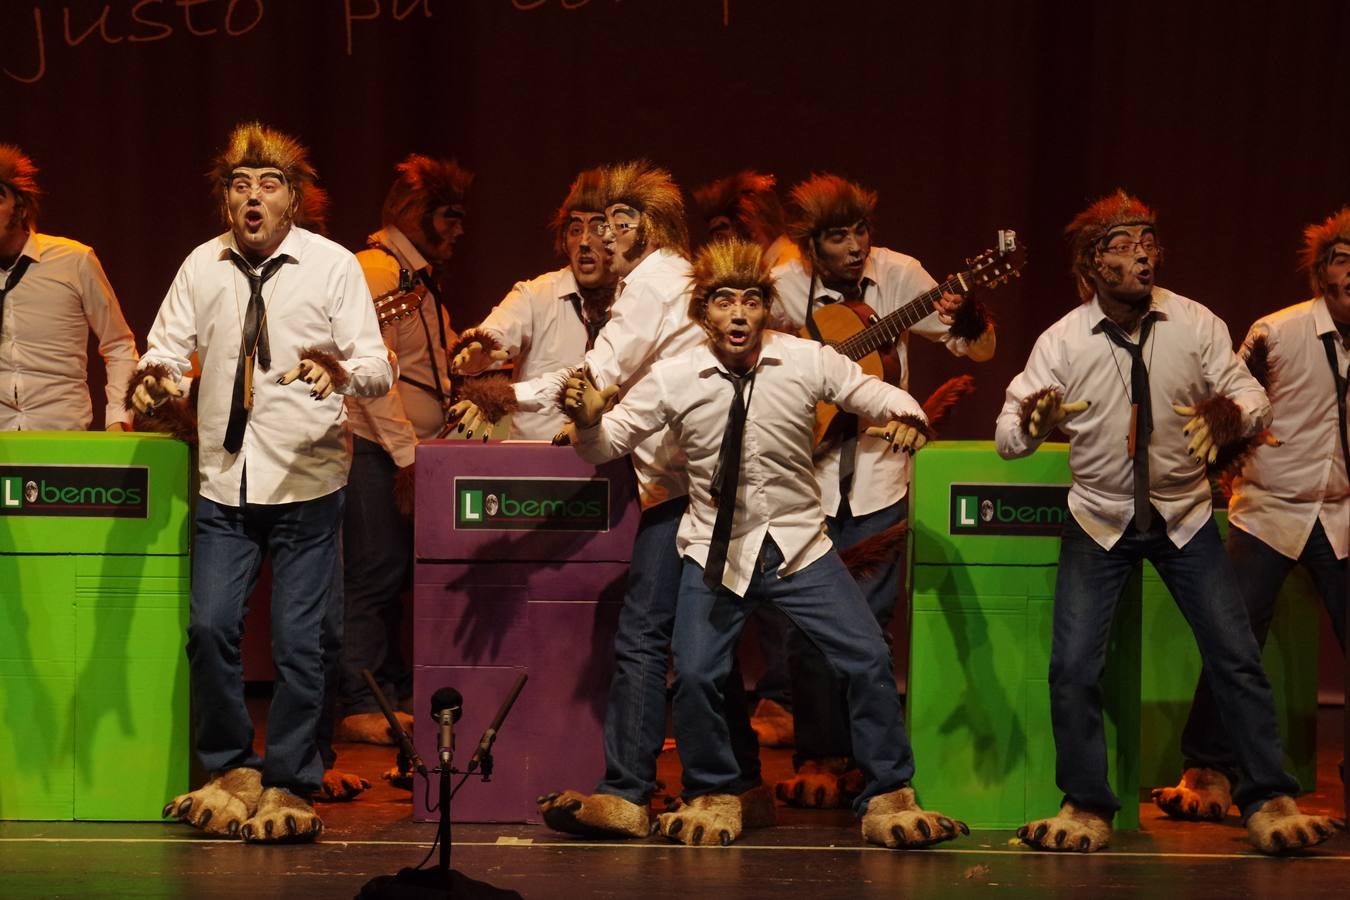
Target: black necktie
[592,326]
[725,481]
[1342,382]
[1141,421]
[845,425]
[253,340]
[15,275]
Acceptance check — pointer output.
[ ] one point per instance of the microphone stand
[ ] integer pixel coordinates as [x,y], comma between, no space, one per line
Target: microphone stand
[441,881]
[443,829]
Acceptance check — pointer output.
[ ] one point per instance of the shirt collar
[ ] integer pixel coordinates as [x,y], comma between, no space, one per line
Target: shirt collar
[292,246]
[1096,316]
[31,249]
[1322,317]
[398,243]
[869,274]
[770,354]
[567,283]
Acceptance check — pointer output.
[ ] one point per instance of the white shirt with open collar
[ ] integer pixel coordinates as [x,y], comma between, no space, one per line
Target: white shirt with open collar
[1190,358]
[1284,490]
[685,397]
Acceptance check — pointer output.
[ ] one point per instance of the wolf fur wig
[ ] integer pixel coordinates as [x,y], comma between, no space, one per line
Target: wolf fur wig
[747,198]
[733,263]
[1088,228]
[18,173]
[256,146]
[822,202]
[651,191]
[587,194]
[421,186]
[1318,241]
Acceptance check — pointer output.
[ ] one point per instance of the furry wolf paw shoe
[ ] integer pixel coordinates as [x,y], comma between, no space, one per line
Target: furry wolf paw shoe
[282,817]
[596,815]
[897,821]
[222,805]
[713,819]
[1277,826]
[830,783]
[1075,829]
[1202,794]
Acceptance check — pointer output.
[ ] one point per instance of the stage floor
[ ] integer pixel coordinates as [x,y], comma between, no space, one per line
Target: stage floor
[816,855]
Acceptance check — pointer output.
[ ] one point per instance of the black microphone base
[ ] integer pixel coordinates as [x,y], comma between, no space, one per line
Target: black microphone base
[414,884]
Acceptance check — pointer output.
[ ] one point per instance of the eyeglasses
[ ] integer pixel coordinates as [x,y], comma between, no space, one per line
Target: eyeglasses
[1124,247]
[615,228]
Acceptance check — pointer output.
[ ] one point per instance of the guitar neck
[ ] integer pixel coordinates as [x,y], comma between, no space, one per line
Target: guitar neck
[887,330]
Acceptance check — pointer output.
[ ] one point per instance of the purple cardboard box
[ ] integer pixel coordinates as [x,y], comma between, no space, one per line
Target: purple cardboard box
[522,557]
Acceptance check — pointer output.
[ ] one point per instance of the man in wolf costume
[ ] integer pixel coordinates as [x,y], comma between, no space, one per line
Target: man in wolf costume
[422,218]
[272,462]
[746,205]
[549,322]
[754,532]
[1147,388]
[647,240]
[1291,500]
[865,491]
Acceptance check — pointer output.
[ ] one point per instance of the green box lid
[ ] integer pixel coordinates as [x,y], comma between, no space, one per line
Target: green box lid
[970,506]
[93,492]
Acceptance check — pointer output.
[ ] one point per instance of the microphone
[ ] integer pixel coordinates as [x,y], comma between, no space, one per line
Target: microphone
[446,707]
[405,744]
[490,736]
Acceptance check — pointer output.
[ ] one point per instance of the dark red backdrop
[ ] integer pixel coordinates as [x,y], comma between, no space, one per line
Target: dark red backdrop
[965,116]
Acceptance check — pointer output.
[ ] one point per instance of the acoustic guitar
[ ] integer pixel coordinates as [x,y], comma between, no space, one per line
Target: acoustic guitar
[399,303]
[855,330]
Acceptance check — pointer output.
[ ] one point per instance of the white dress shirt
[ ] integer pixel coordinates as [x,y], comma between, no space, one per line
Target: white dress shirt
[407,413]
[44,337]
[777,494]
[649,321]
[891,280]
[1284,490]
[537,324]
[1190,359]
[293,446]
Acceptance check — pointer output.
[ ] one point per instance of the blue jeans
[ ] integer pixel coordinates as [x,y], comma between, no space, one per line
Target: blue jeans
[820,695]
[1202,583]
[635,718]
[377,563]
[822,600]
[1261,571]
[332,665]
[302,541]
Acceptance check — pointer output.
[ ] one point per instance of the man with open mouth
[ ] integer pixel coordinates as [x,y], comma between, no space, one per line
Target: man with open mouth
[741,406]
[1146,386]
[646,240]
[548,323]
[284,327]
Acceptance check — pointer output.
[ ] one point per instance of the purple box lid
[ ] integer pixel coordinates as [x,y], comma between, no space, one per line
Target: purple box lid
[521,501]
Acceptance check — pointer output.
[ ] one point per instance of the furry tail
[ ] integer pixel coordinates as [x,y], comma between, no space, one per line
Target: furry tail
[866,557]
[941,401]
